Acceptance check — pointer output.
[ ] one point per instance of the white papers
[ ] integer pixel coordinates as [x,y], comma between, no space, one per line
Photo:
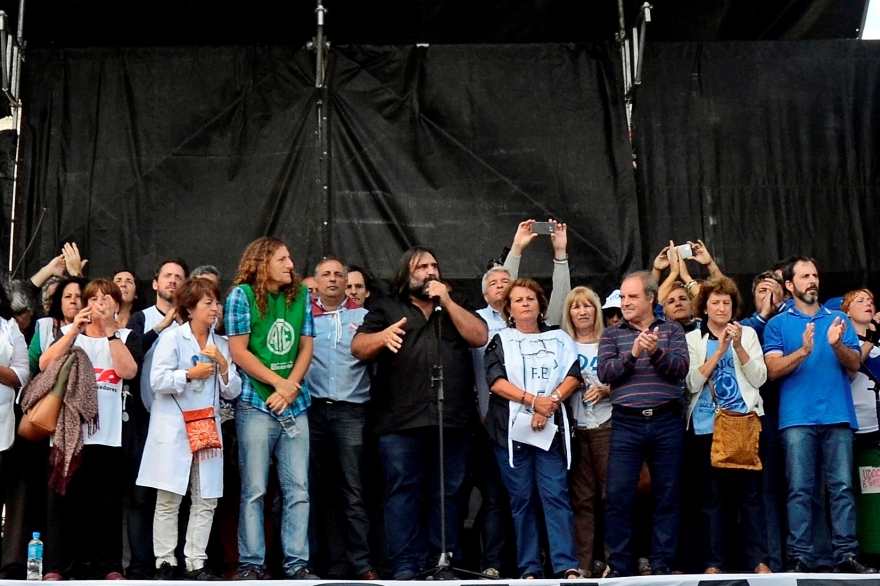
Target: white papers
[522,431]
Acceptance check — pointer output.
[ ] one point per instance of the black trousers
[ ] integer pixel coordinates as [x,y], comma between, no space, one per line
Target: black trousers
[87,520]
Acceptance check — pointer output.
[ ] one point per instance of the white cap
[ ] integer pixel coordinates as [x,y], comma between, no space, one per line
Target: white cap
[613,300]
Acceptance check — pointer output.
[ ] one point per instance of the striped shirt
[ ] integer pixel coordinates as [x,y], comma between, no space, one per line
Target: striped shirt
[646,381]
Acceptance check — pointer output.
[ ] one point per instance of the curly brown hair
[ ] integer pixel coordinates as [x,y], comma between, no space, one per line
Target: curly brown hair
[253,270]
[720,286]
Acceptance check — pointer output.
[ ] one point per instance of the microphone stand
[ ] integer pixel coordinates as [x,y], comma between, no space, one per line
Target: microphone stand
[444,564]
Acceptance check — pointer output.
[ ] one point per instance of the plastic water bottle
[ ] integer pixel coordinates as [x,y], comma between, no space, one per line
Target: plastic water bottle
[197,384]
[35,558]
[588,405]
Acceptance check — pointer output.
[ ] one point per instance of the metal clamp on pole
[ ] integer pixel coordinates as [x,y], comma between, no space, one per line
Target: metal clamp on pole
[319,45]
[643,19]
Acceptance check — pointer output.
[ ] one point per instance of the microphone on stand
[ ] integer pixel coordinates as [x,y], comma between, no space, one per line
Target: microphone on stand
[437,306]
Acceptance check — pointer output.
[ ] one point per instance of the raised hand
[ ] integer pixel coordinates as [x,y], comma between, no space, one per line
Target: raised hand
[835,332]
[808,338]
[523,237]
[559,239]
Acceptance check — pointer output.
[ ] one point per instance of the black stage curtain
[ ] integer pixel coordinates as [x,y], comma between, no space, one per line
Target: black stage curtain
[765,150]
[140,153]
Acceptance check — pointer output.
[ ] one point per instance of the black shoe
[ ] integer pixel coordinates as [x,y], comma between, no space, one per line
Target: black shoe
[13,571]
[614,574]
[248,574]
[660,571]
[165,572]
[203,575]
[796,565]
[853,566]
[302,573]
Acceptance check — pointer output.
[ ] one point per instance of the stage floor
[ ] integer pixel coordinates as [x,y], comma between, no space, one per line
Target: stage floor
[674,580]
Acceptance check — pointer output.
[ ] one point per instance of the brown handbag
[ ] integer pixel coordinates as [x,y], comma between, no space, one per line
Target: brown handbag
[735,438]
[39,423]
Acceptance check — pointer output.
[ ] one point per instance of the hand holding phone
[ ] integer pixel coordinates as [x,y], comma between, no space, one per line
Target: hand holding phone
[543,228]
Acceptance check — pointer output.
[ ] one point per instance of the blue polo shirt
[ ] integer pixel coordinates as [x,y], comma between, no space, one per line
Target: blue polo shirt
[334,373]
[817,392]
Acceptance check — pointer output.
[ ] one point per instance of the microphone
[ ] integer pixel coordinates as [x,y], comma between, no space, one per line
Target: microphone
[437,307]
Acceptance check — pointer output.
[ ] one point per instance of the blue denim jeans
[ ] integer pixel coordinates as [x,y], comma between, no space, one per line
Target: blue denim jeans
[412,493]
[539,477]
[493,518]
[659,440]
[260,440]
[336,431]
[804,446]
[773,478]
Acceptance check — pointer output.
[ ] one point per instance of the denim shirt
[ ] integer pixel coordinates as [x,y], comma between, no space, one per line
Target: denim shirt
[334,373]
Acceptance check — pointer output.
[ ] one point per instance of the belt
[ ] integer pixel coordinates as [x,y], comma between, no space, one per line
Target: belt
[650,411]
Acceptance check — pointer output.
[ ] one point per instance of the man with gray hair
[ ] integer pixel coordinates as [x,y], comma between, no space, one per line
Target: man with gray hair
[643,359]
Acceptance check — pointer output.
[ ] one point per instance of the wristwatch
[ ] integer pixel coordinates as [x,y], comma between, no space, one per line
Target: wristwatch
[115,336]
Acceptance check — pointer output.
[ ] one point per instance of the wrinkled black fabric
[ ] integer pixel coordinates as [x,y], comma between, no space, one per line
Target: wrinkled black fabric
[140,153]
[764,150]
[143,153]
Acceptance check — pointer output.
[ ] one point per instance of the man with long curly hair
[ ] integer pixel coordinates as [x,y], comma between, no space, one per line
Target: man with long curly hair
[269,322]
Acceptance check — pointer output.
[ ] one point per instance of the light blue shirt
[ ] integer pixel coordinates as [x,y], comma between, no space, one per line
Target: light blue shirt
[334,373]
[496,324]
[818,391]
[727,391]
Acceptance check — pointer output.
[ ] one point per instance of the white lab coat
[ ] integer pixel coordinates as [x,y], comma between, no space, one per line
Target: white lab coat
[167,457]
[14,355]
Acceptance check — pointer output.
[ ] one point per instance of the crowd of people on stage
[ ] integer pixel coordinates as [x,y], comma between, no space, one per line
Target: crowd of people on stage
[293,426]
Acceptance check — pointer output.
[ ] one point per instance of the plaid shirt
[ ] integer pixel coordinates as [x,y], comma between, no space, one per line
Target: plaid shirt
[237,317]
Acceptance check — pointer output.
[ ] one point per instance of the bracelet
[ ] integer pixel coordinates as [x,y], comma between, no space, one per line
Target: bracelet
[225,373]
[534,398]
[690,285]
[560,260]
[555,396]
[522,400]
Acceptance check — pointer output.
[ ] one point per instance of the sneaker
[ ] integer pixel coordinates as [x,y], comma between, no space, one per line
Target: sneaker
[491,573]
[302,573]
[165,572]
[796,565]
[202,575]
[248,574]
[853,566]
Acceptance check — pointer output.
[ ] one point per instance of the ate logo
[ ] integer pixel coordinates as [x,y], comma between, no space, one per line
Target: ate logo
[107,375]
[280,338]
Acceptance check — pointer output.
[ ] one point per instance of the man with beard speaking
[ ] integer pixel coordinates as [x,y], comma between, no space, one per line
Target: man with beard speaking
[401,334]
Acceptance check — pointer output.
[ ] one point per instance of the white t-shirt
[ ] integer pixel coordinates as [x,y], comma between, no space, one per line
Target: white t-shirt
[863,396]
[109,432]
[588,356]
[152,318]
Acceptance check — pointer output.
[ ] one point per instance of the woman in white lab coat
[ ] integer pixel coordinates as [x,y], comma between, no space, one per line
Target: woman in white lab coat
[14,371]
[184,380]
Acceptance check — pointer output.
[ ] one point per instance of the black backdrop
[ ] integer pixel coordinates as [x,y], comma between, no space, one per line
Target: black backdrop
[767,149]
[140,153]
[762,149]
